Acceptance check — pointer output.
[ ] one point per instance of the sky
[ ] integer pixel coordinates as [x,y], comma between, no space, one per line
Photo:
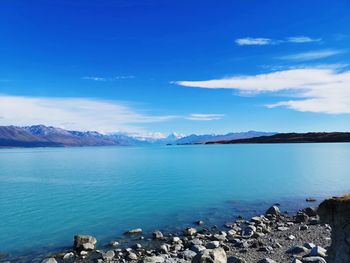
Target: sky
[154,67]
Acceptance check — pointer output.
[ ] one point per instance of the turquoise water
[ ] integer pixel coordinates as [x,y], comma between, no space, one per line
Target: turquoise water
[49,195]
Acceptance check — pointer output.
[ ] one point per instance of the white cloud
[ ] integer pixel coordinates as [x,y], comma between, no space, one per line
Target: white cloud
[74,114]
[302,39]
[312,55]
[250,41]
[204,117]
[97,78]
[323,90]
[94,78]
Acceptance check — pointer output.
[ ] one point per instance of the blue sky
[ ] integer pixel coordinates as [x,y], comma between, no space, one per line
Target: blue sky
[187,66]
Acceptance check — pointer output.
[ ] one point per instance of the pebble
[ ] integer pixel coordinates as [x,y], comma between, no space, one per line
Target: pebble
[291,237]
[267,260]
[282,228]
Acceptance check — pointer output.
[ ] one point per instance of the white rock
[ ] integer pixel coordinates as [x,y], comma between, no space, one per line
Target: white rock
[49,260]
[68,255]
[153,259]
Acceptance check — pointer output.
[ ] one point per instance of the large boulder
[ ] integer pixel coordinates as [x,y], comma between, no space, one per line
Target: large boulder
[217,255]
[336,212]
[84,242]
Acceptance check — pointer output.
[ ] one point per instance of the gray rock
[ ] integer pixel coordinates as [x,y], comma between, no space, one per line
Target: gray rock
[176,240]
[213,244]
[84,242]
[248,232]
[220,237]
[301,217]
[114,244]
[197,248]
[164,248]
[291,237]
[217,255]
[235,259]
[189,254]
[314,220]
[303,227]
[314,260]
[273,210]
[132,256]
[137,246]
[282,228]
[68,255]
[190,231]
[297,250]
[49,260]
[135,231]
[310,199]
[267,260]
[318,251]
[296,261]
[153,259]
[109,255]
[176,260]
[309,245]
[310,211]
[157,235]
[195,241]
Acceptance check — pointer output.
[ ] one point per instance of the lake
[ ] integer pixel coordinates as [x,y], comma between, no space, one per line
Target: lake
[47,195]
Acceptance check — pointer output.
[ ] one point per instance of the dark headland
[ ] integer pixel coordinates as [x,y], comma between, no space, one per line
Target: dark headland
[310,137]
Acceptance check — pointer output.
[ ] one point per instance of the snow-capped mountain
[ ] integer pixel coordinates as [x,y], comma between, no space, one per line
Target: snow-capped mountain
[194,138]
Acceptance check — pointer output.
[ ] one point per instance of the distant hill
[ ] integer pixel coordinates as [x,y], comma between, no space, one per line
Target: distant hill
[311,137]
[43,136]
[197,139]
[47,136]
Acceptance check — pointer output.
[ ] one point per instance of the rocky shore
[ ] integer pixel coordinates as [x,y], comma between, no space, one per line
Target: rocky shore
[272,237]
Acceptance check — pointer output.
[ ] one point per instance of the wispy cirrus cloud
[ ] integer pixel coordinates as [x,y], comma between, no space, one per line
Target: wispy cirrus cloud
[312,55]
[204,117]
[250,41]
[75,114]
[321,90]
[99,78]
[302,39]
[261,41]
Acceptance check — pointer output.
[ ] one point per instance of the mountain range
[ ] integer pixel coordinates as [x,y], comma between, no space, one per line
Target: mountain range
[47,136]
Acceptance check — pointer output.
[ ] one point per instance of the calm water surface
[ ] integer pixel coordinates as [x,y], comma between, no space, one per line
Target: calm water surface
[49,194]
